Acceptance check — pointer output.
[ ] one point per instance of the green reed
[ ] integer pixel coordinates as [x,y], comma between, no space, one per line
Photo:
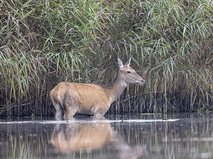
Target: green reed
[45,42]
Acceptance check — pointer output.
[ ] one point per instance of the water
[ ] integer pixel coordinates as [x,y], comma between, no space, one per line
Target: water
[155,136]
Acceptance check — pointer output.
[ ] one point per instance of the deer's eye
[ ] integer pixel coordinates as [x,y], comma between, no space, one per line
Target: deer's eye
[128,71]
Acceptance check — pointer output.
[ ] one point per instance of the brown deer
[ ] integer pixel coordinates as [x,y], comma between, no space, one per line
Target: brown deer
[91,99]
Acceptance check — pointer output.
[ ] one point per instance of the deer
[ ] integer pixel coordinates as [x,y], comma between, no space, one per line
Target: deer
[69,98]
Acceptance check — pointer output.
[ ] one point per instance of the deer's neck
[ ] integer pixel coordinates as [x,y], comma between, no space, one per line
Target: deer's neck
[117,88]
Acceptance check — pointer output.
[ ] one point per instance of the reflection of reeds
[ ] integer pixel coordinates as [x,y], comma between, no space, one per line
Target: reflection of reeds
[14,149]
[190,137]
[170,43]
[24,141]
[21,151]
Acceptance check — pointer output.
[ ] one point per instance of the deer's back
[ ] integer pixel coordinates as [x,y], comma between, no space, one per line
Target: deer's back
[86,95]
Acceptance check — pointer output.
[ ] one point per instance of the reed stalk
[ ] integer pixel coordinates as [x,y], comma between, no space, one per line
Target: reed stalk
[44,42]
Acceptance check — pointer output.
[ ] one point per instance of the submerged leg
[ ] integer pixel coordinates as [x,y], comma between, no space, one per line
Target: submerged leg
[58,109]
[99,117]
[70,112]
[70,106]
[99,113]
[59,112]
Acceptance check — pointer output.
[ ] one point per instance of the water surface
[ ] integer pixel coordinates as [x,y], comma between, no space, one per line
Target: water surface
[154,136]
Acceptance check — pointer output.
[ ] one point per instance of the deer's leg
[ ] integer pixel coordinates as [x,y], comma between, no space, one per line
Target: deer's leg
[70,112]
[58,111]
[70,106]
[58,108]
[99,113]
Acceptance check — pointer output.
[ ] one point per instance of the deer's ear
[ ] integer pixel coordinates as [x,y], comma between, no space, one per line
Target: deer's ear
[128,62]
[120,63]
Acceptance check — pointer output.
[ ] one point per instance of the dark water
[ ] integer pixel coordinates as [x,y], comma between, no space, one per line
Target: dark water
[126,137]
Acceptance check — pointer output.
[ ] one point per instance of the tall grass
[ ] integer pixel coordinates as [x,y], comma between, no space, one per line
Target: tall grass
[48,41]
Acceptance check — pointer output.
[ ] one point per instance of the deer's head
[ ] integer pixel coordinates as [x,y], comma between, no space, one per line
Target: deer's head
[129,74]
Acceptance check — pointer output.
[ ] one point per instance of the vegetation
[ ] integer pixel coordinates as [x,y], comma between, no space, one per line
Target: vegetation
[47,41]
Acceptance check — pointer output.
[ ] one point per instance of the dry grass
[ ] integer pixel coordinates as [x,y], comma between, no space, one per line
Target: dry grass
[44,42]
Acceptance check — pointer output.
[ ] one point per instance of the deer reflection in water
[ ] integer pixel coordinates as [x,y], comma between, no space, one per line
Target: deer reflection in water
[91,136]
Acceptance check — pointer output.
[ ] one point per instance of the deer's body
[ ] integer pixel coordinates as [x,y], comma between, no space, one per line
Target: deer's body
[91,99]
